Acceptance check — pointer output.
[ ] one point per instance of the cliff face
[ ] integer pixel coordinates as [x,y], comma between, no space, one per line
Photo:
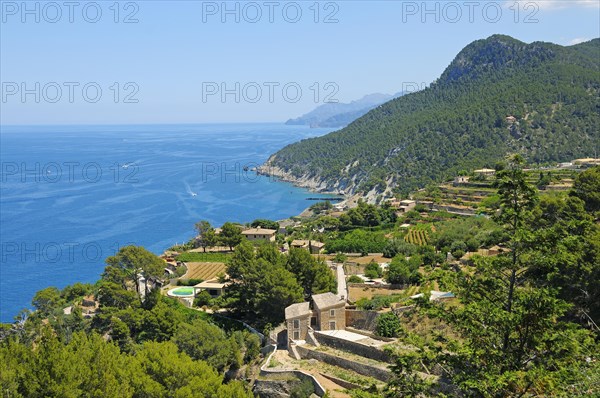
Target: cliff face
[312,182]
[317,183]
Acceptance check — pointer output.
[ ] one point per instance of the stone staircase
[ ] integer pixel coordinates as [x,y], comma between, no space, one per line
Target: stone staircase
[292,350]
[310,337]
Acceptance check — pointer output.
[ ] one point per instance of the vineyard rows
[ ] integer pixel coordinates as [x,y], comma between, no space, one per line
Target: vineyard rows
[204,271]
[417,237]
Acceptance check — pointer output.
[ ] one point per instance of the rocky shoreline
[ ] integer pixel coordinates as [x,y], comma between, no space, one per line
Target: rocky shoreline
[268,169]
[344,188]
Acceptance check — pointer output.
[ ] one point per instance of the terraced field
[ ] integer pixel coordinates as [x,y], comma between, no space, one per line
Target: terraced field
[417,236]
[204,271]
[473,193]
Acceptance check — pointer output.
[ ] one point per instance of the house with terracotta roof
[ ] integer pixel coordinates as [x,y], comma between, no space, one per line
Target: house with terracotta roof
[256,234]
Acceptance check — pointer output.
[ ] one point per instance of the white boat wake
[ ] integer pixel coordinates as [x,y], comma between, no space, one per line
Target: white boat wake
[189,190]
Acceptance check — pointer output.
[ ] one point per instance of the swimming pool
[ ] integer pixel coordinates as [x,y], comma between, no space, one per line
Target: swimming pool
[181,292]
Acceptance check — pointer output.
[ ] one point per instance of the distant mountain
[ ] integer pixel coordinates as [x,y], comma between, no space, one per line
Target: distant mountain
[338,114]
[498,96]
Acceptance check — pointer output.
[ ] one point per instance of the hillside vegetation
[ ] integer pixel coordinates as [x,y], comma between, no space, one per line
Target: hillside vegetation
[498,96]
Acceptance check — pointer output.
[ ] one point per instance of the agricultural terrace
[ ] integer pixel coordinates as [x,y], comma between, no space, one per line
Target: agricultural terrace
[204,271]
[419,234]
[203,266]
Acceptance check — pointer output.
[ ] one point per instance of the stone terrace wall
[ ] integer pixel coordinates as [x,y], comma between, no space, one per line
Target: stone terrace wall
[360,368]
[265,372]
[359,319]
[353,347]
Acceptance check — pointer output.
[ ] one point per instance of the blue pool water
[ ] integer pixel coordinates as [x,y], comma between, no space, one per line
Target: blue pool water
[71,196]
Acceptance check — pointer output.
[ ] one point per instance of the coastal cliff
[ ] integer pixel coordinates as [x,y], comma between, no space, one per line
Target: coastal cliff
[312,182]
[346,185]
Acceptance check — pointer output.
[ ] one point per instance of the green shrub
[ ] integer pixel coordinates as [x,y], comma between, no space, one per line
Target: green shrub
[402,272]
[340,257]
[373,270]
[180,271]
[355,279]
[398,246]
[458,249]
[202,299]
[304,389]
[473,245]
[388,325]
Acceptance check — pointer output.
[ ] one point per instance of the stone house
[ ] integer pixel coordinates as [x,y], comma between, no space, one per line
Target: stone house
[313,246]
[407,205]
[461,180]
[325,311]
[297,319]
[255,234]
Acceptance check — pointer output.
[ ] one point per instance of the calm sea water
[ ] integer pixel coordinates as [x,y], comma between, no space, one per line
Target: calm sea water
[71,196]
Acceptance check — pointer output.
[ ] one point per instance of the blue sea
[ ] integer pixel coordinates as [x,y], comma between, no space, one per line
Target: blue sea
[72,195]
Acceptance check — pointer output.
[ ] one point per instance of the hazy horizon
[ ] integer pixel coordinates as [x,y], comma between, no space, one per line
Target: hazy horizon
[219,62]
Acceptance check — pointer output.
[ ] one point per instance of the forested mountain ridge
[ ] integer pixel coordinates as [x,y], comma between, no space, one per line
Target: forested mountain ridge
[498,95]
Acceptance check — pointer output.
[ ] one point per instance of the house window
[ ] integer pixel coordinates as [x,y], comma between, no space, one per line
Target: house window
[296,323]
[332,325]
[296,335]
[332,313]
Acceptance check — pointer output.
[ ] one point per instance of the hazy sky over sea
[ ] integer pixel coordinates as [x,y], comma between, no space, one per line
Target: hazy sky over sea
[86,62]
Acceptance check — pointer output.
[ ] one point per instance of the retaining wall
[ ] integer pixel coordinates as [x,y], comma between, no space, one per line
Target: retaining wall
[360,368]
[359,319]
[341,382]
[353,347]
[265,372]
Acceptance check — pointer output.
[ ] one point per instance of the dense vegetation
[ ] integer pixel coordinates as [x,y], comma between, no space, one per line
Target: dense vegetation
[138,344]
[460,121]
[526,321]
[264,282]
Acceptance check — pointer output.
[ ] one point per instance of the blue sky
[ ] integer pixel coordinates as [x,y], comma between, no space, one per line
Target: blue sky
[172,62]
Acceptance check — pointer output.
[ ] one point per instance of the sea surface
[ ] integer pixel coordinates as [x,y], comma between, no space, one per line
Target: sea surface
[70,196]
